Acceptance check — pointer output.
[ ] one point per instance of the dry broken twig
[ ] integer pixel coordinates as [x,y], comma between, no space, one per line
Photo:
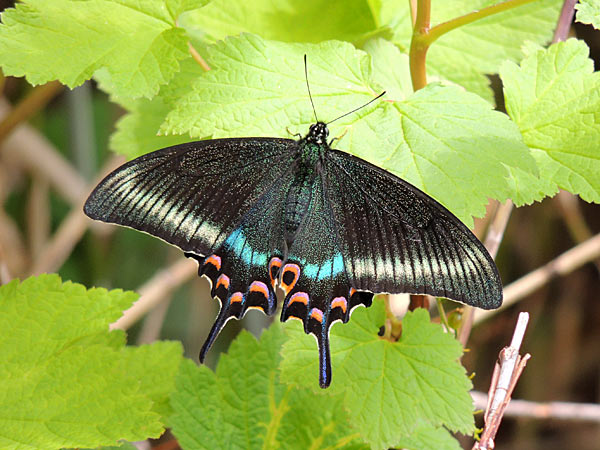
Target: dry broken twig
[507,371]
[156,290]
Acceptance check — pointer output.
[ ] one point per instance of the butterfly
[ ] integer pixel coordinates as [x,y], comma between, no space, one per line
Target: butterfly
[327,228]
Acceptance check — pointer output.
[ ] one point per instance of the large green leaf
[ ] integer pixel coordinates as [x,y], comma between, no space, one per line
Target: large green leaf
[65,381]
[389,389]
[137,43]
[243,405]
[282,20]
[588,11]
[448,142]
[137,131]
[554,97]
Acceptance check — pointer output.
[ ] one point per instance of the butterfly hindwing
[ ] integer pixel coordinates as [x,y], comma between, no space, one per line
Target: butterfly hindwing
[240,267]
[395,238]
[314,278]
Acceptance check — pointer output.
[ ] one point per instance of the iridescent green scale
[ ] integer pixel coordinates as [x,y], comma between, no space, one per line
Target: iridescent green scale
[327,228]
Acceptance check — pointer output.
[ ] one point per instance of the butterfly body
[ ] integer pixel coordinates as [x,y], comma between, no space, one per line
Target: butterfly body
[326,227]
[307,165]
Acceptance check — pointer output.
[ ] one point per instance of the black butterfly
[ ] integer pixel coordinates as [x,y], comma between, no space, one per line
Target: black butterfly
[327,227]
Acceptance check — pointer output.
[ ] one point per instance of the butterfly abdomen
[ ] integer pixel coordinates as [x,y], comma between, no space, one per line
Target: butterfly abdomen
[300,191]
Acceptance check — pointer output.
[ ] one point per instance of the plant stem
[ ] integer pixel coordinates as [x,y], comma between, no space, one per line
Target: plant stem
[442,313]
[450,25]
[419,45]
[423,36]
[564,21]
[198,58]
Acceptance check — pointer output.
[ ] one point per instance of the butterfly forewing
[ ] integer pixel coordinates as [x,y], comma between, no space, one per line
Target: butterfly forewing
[192,195]
[395,238]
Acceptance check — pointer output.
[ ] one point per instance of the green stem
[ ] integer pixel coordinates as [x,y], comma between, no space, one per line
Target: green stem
[419,45]
[442,314]
[198,58]
[450,25]
[423,36]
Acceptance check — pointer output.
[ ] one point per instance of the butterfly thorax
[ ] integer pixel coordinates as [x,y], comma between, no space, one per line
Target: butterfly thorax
[306,169]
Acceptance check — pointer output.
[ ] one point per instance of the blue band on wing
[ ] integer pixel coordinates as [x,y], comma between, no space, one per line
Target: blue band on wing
[328,269]
[237,243]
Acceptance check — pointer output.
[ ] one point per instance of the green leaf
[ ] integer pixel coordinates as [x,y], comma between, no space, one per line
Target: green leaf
[257,87]
[588,11]
[426,437]
[390,69]
[65,380]
[69,40]
[445,141]
[466,54]
[243,405]
[290,21]
[451,144]
[554,97]
[389,388]
[137,131]
[123,446]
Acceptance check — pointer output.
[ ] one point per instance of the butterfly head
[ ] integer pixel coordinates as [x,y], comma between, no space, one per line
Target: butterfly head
[317,133]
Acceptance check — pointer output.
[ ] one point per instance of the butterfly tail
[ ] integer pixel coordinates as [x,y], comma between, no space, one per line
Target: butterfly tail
[324,358]
[215,330]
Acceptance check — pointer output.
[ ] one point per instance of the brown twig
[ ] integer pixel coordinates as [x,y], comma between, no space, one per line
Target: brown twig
[564,21]
[156,290]
[38,215]
[507,371]
[562,265]
[30,105]
[60,246]
[574,219]
[12,246]
[495,233]
[5,276]
[28,148]
[581,412]
[153,323]
[70,231]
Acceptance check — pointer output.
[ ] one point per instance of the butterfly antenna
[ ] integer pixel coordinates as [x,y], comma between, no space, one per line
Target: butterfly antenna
[360,107]
[308,87]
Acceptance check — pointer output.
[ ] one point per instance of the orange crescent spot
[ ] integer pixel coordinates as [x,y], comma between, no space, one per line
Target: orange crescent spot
[352,292]
[259,286]
[215,260]
[299,297]
[295,269]
[275,262]
[295,318]
[316,314]
[339,302]
[237,297]
[223,280]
